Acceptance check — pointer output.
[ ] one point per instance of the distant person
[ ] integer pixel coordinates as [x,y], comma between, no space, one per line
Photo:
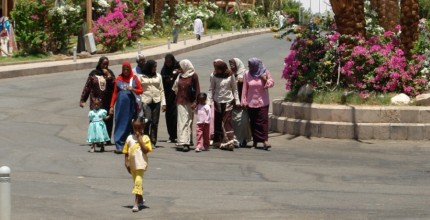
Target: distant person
[97,132]
[186,87]
[81,36]
[152,98]
[198,28]
[136,149]
[170,72]
[138,70]
[140,61]
[255,96]
[224,95]
[124,104]
[175,30]
[203,112]
[281,19]
[100,85]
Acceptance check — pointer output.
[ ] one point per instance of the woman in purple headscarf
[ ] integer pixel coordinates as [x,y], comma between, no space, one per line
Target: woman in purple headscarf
[255,96]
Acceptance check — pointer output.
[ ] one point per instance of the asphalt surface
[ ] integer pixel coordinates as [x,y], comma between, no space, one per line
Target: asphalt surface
[42,139]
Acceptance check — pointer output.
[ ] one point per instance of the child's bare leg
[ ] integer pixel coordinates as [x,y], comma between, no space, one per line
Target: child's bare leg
[136,204]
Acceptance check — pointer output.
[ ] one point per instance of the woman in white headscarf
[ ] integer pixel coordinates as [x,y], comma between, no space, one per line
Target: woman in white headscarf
[241,127]
[186,87]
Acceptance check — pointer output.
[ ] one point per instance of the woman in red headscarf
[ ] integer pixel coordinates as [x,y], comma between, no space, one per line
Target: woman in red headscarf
[127,86]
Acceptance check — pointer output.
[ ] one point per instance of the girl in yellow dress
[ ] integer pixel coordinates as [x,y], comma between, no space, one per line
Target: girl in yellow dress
[136,148]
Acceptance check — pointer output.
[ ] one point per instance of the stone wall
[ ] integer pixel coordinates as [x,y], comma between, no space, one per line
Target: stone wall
[351,122]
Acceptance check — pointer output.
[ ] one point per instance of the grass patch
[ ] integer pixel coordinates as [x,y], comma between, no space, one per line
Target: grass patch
[24,58]
[341,98]
[151,41]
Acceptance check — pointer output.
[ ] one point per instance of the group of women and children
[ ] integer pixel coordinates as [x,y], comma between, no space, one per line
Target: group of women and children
[234,109]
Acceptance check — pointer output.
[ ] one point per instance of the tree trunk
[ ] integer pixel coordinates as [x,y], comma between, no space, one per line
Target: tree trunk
[172,4]
[238,4]
[388,13]
[158,7]
[266,7]
[349,16]
[360,17]
[409,23]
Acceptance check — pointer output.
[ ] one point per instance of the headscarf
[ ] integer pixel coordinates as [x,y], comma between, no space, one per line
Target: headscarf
[256,67]
[168,70]
[239,66]
[124,78]
[147,68]
[187,68]
[187,71]
[221,65]
[98,71]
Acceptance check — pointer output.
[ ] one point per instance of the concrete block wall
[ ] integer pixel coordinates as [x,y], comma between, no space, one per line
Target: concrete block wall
[351,122]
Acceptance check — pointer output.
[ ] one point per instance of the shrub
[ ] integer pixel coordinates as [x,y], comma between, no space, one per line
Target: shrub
[65,21]
[370,65]
[220,20]
[120,27]
[186,13]
[30,25]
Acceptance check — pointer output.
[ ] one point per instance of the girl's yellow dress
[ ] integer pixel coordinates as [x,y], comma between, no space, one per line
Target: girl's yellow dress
[137,160]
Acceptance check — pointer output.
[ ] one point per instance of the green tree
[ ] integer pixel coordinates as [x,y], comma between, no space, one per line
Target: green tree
[30,24]
[424,8]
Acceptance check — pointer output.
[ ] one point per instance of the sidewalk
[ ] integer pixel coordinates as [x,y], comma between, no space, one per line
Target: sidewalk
[158,52]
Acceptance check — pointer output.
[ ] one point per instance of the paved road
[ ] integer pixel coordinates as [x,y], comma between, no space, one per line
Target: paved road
[42,138]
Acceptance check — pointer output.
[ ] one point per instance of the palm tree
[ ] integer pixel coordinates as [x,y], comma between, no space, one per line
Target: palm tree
[158,7]
[409,23]
[359,17]
[349,16]
[388,13]
[172,4]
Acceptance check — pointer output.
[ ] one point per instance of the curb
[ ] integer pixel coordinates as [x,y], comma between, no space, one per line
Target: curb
[11,71]
[351,122]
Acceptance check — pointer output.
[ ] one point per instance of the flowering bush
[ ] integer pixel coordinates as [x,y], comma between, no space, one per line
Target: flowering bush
[30,20]
[65,21]
[100,8]
[370,65]
[186,13]
[121,26]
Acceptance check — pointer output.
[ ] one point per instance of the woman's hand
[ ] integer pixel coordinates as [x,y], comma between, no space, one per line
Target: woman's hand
[81,104]
[105,72]
[111,111]
[264,77]
[163,108]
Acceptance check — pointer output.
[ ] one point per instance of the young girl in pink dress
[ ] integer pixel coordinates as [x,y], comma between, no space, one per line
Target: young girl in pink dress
[203,112]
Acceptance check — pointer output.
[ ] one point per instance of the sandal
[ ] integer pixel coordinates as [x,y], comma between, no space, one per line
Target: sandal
[186,148]
[266,146]
[92,149]
[135,208]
